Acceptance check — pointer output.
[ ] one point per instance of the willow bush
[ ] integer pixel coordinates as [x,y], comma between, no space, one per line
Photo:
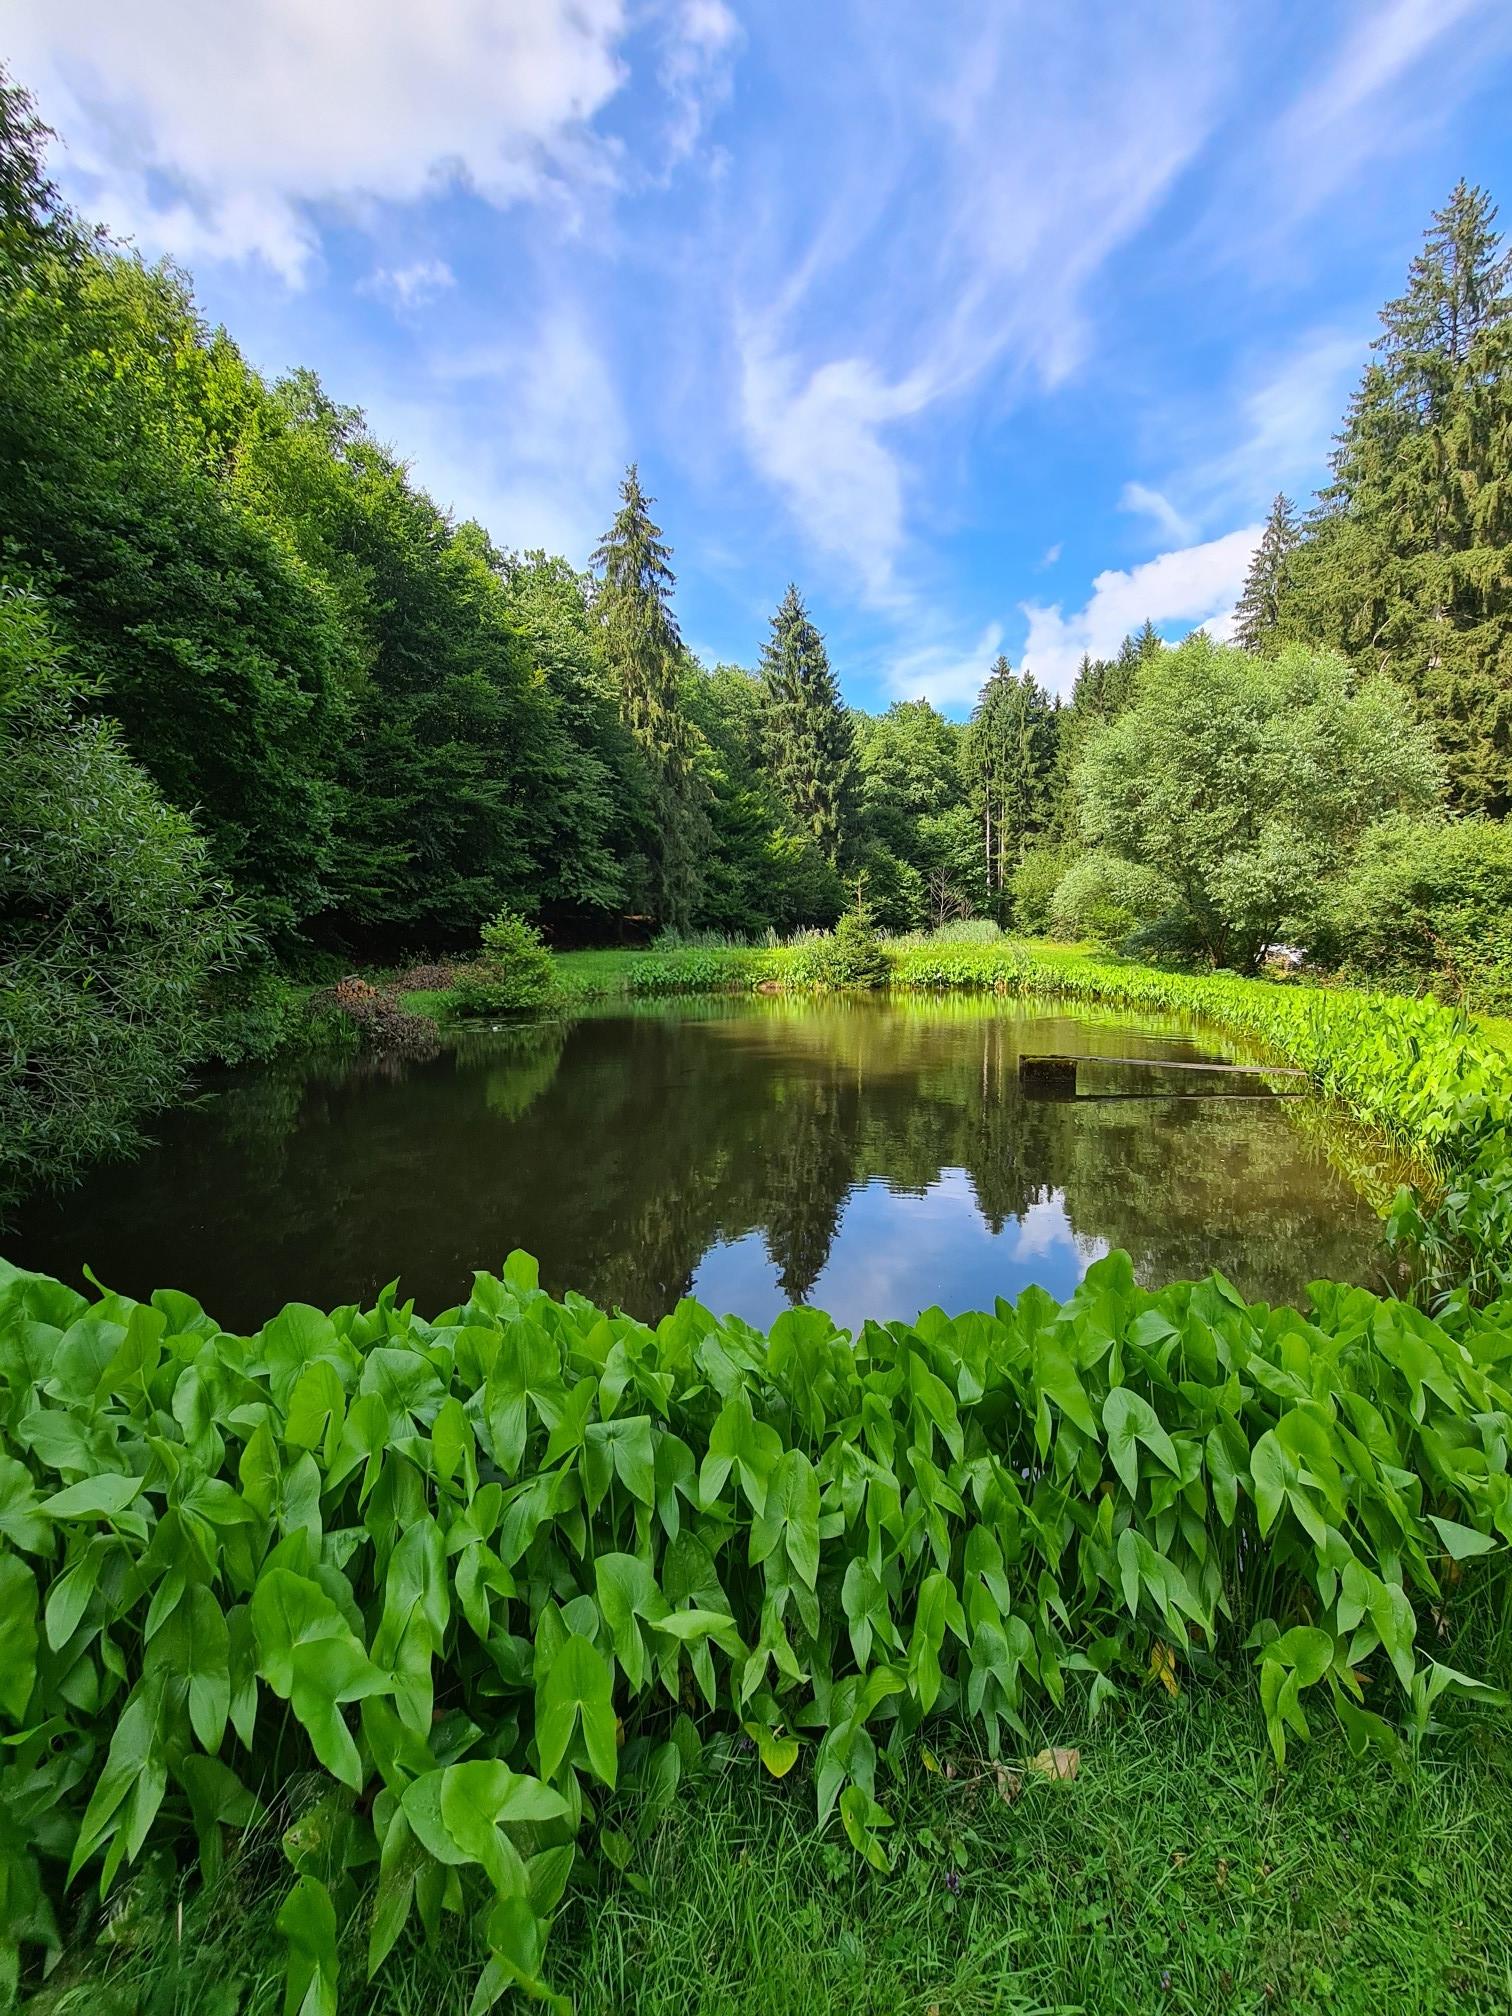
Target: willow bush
[480,1584]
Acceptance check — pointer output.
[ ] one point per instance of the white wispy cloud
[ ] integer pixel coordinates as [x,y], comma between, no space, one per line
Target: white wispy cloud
[943,672]
[411,285]
[947,257]
[1154,505]
[699,41]
[1279,414]
[215,131]
[1191,586]
[525,434]
[1333,127]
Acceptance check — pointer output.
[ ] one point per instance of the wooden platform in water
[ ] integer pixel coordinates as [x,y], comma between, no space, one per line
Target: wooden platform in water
[1055,1077]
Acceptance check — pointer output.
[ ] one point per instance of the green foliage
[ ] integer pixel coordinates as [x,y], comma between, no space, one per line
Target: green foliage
[1258,611]
[1103,899]
[896,892]
[1339,1885]
[453,1565]
[1035,880]
[1243,782]
[643,651]
[112,924]
[513,974]
[849,956]
[197,627]
[1427,903]
[1009,758]
[1404,564]
[810,741]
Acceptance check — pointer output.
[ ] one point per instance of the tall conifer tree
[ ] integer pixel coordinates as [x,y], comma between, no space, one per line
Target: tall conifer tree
[1258,609]
[1010,760]
[1406,563]
[812,750]
[643,651]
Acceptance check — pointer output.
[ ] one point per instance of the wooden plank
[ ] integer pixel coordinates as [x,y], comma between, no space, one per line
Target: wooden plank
[1169,1064]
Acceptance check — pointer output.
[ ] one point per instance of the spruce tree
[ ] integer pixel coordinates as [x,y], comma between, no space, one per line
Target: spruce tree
[1405,565]
[1010,760]
[644,651]
[1258,609]
[811,743]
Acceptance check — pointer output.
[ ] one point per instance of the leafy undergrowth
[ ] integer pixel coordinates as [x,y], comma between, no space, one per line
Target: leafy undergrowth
[440,1604]
[1178,1872]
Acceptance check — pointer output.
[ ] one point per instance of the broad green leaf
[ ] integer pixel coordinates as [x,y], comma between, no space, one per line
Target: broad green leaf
[777,1752]
[92,1498]
[863,1819]
[1462,1542]
[18,1635]
[576,1692]
[307,1921]
[1056,1375]
[1129,1420]
[19,1521]
[309,1656]
[1306,1649]
[790,1513]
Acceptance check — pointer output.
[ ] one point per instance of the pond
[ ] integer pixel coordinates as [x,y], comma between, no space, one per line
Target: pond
[872,1157]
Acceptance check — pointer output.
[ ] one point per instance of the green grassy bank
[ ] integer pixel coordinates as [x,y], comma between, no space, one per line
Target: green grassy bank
[1178,1872]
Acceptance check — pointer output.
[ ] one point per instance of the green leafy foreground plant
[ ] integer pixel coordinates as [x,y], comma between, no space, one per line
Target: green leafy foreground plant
[480,1574]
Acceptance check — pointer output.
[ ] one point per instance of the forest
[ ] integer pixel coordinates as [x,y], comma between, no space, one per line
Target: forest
[266,710]
[374,1643]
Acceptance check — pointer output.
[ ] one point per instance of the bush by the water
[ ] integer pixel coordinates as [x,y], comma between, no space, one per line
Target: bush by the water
[1035,881]
[477,1585]
[112,925]
[1427,903]
[511,976]
[849,956]
[355,1007]
[1103,899]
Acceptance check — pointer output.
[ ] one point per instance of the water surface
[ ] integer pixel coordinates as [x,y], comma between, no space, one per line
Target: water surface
[871,1157]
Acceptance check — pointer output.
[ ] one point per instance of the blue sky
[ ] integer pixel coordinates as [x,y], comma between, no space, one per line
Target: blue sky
[994,326]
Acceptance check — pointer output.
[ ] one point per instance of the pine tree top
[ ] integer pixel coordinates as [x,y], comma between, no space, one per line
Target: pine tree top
[1456,284]
[1259,606]
[635,562]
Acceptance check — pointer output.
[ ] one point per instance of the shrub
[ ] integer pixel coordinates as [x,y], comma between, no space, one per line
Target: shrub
[1427,903]
[474,1581]
[377,1020]
[512,976]
[1035,881]
[850,956]
[112,926]
[1244,781]
[1103,899]
[896,895]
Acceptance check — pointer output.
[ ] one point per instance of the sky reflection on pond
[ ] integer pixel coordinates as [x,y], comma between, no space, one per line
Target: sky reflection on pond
[872,1157]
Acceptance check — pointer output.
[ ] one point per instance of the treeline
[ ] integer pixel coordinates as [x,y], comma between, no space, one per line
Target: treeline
[384,728]
[263,704]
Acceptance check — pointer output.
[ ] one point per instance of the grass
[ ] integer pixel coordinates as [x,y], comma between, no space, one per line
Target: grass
[1179,1872]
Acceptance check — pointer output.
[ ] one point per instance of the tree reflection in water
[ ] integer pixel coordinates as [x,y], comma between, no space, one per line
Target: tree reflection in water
[872,1156]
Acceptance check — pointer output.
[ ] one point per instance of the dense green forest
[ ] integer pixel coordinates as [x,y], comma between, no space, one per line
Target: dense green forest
[265,707]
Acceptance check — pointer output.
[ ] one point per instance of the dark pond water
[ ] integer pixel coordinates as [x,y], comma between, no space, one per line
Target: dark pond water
[870,1157]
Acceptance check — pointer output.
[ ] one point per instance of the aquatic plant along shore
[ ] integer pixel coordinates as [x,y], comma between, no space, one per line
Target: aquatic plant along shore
[485,1570]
